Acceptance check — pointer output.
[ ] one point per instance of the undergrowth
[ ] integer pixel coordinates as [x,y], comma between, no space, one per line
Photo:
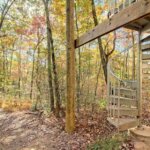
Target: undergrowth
[15,105]
[111,143]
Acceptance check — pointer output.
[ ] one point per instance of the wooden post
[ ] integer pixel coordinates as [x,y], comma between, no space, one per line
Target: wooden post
[139,80]
[70,107]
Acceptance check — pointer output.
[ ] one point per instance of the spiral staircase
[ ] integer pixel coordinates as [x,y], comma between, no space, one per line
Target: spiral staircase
[124,88]
[146,69]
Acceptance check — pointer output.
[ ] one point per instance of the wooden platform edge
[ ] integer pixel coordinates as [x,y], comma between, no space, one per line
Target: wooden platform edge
[136,11]
[123,127]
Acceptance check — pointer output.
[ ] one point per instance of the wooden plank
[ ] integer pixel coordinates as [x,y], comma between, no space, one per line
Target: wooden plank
[146,38]
[146,82]
[146,56]
[138,24]
[136,11]
[146,62]
[146,71]
[146,28]
[145,66]
[128,125]
[123,123]
[146,47]
[131,27]
[146,75]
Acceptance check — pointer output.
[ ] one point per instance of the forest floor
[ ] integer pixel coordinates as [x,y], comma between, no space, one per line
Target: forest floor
[27,131]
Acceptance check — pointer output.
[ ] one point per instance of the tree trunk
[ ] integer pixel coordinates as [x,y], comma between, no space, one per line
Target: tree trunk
[33,63]
[4,72]
[50,80]
[79,65]
[133,65]
[96,86]
[103,56]
[70,107]
[32,74]
[38,80]
[19,72]
[4,10]
[56,82]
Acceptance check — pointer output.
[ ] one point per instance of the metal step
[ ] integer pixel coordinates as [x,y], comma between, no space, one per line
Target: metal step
[146,93]
[127,102]
[123,123]
[146,73]
[146,56]
[146,88]
[131,85]
[125,89]
[145,47]
[124,92]
[146,82]
[132,112]
[146,66]
[146,39]
[146,70]
[146,76]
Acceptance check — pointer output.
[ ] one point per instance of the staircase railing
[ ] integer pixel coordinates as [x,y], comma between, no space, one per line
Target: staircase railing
[121,75]
[117,5]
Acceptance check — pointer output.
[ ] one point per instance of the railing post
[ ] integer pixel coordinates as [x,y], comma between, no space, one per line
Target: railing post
[118,103]
[108,90]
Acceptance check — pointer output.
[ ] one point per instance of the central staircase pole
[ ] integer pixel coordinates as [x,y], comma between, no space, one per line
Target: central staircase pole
[139,80]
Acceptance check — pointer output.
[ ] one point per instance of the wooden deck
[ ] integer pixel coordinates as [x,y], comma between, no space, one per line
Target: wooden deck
[124,123]
[136,16]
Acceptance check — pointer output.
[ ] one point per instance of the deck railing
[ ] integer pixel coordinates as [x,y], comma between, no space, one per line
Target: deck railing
[117,5]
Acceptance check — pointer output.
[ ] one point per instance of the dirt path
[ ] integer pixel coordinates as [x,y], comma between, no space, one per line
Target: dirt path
[26,131]
[21,131]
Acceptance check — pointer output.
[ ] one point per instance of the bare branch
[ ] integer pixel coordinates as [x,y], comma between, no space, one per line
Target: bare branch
[114,45]
[5,10]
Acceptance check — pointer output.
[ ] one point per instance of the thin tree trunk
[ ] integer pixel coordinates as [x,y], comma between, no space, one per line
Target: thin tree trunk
[38,80]
[103,56]
[32,75]
[133,63]
[33,64]
[70,108]
[56,82]
[11,58]
[4,72]
[96,86]
[79,64]
[49,48]
[19,72]
[4,10]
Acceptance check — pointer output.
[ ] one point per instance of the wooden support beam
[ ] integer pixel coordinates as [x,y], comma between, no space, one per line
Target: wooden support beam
[147,27]
[134,12]
[132,26]
[70,99]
